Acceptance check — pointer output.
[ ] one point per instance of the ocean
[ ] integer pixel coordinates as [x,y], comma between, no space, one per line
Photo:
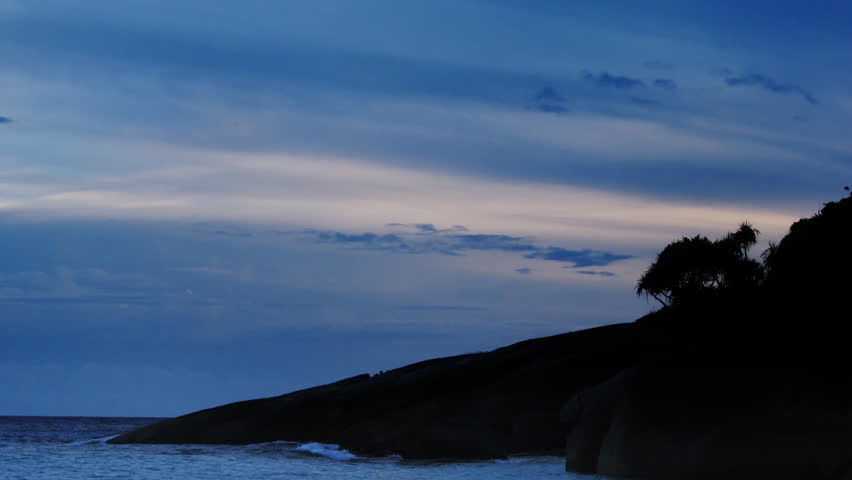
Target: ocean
[70,448]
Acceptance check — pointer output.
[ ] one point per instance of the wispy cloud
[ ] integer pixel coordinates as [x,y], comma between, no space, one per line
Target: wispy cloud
[549,100]
[427,227]
[5,119]
[549,94]
[428,239]
[369,239]
[607,80]
[598,273]
[524,270]
[767,83]
[578,258]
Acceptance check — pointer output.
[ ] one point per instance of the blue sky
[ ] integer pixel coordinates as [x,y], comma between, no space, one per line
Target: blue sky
[201,204]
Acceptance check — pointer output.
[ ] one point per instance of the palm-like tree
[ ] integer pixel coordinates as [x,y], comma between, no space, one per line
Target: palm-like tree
[693,266]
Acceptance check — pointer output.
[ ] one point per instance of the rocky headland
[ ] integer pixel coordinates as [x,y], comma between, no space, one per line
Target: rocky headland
[480,405]
[744,372]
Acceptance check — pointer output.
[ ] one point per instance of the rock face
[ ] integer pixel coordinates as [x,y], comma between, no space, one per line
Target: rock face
[698,422]
[751,384]
[483,405]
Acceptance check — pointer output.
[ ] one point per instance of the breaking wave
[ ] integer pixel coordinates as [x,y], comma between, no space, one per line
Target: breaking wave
[327,450]
[93,441]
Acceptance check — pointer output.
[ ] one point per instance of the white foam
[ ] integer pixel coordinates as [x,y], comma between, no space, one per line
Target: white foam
[327,450]
[93,441]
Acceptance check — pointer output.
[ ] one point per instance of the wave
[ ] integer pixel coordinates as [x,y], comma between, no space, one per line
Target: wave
[93,441]
[327,450]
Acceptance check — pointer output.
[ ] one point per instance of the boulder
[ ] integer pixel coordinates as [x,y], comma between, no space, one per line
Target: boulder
[697,422]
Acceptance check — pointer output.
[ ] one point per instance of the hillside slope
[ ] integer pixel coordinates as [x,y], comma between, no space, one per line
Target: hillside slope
[482,405]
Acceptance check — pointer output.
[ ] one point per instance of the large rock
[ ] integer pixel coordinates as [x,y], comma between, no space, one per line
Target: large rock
[699,421]
[750,384]
[483,405]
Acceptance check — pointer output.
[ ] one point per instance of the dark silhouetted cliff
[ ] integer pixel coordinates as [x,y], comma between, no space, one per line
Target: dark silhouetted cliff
[739,386]
[741,380]
[482,405]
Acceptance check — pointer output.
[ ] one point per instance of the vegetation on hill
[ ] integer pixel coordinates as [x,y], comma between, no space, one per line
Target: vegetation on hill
[714,295]
[693,267]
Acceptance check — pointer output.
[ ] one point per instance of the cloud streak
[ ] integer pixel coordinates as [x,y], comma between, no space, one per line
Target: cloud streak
[549,100]
[607,80]
[767,83]
[578,258]
[427,239]
[594,272]
[5,119]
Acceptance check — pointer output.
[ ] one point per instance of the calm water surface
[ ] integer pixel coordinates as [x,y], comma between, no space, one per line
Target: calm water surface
[74,448]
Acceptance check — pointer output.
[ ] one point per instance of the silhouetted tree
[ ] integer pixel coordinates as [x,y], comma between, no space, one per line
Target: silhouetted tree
[692,267]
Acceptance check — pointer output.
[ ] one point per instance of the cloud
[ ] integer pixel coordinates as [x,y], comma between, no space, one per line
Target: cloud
[579,258]
[426,228]
[770,84]
[549,94]
[219,60]
[5,119]
[524,271]
[665,84]
[425,241]
[386,241]
[606,80]
[593,272]
[486,241]
[428,239]
[548,100]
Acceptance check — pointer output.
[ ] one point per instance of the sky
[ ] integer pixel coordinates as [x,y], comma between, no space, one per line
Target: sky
[204,202]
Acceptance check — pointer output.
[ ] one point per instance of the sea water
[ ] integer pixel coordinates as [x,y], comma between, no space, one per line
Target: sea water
[71,448]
